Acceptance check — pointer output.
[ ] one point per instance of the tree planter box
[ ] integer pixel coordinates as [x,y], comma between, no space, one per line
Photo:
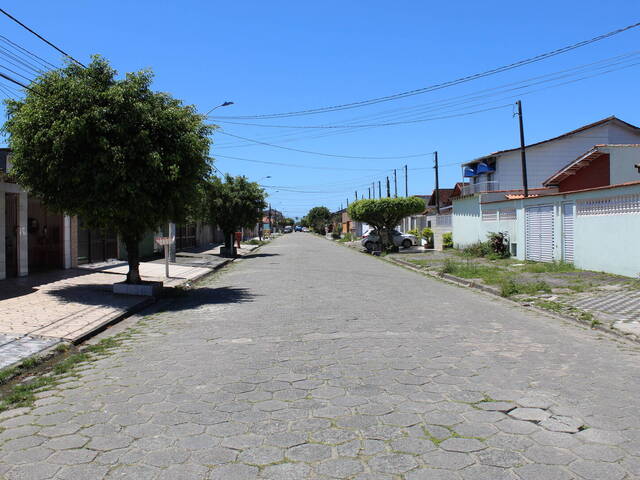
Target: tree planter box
[147,289]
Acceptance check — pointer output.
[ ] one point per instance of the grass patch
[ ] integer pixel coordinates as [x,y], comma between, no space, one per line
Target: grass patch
[23,394]
[550,305]
[548,267]
[255,241]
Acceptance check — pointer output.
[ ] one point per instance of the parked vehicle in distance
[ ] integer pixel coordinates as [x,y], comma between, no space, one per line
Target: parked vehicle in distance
[371,240]
[288,229]
[298,228]
[305,229]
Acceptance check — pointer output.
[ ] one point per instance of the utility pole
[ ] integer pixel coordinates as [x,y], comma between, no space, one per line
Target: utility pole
[435,154]
[379,189]
[395,184]
[356,195]
[270,223]
[388,188]
[373,189]
[406,181]
[347,203]
[523,155]
[369,192]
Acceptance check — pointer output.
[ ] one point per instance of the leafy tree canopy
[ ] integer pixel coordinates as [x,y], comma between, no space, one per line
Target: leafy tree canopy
[234,203]
[385,214]
[110,150]
[318,217]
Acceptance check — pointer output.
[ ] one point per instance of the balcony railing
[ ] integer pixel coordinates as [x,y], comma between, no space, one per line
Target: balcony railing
[480,187]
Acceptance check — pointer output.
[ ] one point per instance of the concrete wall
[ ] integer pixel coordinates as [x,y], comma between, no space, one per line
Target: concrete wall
[623,159]
[465,221]
[602,242]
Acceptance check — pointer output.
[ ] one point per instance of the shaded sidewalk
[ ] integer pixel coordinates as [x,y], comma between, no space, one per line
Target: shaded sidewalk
[44,309]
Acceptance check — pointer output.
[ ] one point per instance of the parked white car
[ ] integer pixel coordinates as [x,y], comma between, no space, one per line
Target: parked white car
[371,240]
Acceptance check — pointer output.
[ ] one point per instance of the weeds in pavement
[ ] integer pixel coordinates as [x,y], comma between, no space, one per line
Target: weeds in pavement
[23,394]
[550,305]
[548,267]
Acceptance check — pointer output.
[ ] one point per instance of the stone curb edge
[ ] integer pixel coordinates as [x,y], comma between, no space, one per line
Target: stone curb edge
[493,291]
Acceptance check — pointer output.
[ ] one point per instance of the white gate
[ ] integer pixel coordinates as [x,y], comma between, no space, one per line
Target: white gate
[567,232]
[539,233]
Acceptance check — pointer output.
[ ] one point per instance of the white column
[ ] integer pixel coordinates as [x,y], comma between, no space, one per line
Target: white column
[3,229]
[66,240]
[23,238]
[172,247]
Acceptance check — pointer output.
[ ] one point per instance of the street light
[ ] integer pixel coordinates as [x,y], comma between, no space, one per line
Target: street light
[224,104]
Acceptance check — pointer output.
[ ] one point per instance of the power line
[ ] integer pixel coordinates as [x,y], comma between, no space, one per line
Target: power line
[13,80]
[442,85]
[40,37]
[320,153]
[293,165]
[42,61]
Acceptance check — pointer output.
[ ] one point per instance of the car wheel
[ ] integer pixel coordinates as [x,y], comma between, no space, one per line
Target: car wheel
[407,243]
[370,246]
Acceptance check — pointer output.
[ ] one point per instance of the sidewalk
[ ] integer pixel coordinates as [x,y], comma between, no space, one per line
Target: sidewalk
[43,309]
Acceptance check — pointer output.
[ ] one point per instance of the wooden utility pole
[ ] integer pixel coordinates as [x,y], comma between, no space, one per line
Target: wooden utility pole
[388,188]
[435,155]
[379,189]
[369,192]
[406,181]
[356,195]
[523,155]
[395,183]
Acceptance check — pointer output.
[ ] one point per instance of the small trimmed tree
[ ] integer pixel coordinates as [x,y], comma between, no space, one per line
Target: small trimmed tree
[234,203]
[110,150]
[318,217]
[385,214]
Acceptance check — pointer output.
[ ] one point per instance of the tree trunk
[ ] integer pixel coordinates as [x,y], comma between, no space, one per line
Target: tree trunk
[133,257]
[229,244]
[386,241]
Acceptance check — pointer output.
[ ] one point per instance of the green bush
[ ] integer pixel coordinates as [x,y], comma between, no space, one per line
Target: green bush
[347,237]
[427,234]
[478,249]
[447,240]
[499,244]
[414,232]
[335,234]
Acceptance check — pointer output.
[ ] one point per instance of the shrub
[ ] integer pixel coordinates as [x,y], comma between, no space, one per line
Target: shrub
[414,232]
[447,240]
[335,234]
[478,249]
[427,234]
[347,237]
[499,244]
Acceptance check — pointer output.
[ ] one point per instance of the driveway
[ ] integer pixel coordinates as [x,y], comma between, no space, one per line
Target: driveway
[310,360]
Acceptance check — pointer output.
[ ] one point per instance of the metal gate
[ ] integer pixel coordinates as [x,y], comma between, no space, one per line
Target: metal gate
[539,233]
[567,232]
[95,245]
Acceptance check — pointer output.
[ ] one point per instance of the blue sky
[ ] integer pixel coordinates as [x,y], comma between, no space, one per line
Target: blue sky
[283,56]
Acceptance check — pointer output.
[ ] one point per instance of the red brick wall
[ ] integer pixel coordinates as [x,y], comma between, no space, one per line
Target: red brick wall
[596,174]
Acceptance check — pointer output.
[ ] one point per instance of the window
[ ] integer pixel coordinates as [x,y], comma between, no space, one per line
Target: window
[489,215]
[507,214]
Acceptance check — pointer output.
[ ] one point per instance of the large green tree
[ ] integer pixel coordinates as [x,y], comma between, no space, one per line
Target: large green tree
[318,217]
[234,203]
[108,149]
[385,214]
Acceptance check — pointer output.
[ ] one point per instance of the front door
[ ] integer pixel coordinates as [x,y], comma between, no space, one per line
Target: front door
[539,233]
[11,234]
[567,232]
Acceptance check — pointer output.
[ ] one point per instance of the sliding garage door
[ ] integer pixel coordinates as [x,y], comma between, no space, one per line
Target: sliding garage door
[539,233]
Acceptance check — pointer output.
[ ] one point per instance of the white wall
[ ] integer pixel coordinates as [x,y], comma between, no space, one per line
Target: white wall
[546,159]
[621,164]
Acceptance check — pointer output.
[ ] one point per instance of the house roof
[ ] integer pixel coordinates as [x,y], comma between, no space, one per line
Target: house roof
[567,134]
[582,161]
[555,193]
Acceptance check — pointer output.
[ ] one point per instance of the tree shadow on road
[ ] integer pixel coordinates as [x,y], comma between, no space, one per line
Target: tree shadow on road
[209,296]
[258,255]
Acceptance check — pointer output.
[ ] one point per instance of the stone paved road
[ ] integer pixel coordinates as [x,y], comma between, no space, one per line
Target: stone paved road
[292,366]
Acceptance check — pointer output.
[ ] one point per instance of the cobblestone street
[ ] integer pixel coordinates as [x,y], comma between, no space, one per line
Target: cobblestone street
[312,361]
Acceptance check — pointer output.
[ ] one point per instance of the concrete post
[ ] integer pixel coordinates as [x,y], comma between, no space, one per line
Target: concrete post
[66,240]
[172,247]
[23,237]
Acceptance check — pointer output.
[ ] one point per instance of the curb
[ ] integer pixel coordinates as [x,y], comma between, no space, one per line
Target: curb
[463,282]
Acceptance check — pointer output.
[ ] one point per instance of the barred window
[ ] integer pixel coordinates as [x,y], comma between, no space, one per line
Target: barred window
[507,214]
[489,215]
[617,205]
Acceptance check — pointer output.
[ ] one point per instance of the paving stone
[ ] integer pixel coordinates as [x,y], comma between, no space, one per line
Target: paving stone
[516,426]
[558,423]
[496,406]
[166,457]
[448,460]
[286,439]
[72,457]
[67,441]
[309,452]
[37,471]
[542,472]
[432,474]
[601,436]
[393,463]
[82,472]
[600,453]
[286,471]
[486,472]
[597,471]
[462,445]
[415,446]
[183,472]
[261,455]
[214,456]
[531,414]
[500,458]
[549,455]
[339,468]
